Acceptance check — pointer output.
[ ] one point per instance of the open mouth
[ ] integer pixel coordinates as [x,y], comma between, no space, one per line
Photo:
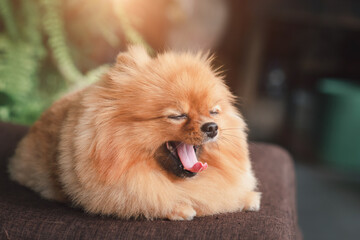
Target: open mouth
[180,158]
[187,155]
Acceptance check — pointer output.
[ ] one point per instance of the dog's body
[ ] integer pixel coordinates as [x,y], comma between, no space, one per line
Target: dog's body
[129,144]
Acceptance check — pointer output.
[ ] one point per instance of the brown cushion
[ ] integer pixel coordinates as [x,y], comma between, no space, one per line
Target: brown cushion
[24,215]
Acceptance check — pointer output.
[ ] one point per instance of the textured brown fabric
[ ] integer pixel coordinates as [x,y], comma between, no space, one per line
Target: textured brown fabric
[24,215]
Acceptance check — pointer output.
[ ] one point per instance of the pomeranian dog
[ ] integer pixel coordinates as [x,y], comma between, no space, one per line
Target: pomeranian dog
[155,137]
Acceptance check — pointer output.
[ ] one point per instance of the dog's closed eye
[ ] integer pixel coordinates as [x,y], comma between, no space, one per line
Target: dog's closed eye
[178,117]
[216,110]
[175,115]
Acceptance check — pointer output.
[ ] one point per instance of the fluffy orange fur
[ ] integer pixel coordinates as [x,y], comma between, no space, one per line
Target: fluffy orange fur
[95,147]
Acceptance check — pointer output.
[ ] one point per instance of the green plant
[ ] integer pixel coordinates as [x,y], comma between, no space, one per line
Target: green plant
[35,62]
[21,54]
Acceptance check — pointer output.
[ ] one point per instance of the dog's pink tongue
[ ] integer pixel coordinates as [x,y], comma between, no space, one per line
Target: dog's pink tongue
[188,158]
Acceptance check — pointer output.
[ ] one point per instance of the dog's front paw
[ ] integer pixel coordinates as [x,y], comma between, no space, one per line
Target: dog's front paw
[252,201]
[183,212]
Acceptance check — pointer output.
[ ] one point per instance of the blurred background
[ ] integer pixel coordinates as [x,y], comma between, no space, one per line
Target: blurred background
[294,64]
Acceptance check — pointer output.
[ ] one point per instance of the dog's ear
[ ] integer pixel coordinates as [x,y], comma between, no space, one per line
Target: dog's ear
[128,64]
[136,56]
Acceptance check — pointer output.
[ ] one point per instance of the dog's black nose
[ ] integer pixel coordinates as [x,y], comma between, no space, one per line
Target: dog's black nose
[210,128]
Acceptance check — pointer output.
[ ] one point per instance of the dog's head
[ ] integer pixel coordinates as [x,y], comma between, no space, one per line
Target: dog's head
[171,108]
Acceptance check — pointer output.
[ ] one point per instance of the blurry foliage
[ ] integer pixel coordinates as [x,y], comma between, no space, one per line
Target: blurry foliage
[35,61]
[21,54]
